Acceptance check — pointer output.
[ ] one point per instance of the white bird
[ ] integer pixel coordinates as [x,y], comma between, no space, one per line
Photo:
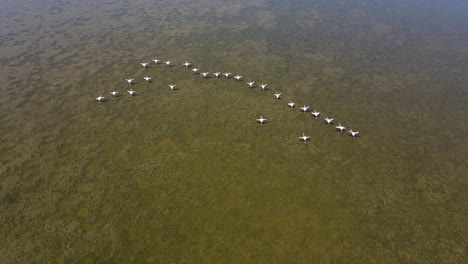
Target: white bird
[353,133]
[305,108]
[226,74]
[156,61]
[147,78]
[195,70]
[168,63]
[304,138]
[216,74]
[315,113]
[131,92]
[114,93]
[205,74]
[144,64]
[251,83]
[129,81]
[277,96]
[238,77]
[291,104]
[100,98]
[329,120]
[172,86]
[261,120]
[340,127]
[187,64]
[263,85]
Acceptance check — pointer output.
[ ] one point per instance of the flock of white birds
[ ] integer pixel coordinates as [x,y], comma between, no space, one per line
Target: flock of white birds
[238,78]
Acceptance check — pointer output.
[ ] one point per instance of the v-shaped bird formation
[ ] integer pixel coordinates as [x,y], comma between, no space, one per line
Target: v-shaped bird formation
[238,78]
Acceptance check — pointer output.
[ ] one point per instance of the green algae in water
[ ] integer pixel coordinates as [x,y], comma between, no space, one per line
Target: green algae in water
[189,176]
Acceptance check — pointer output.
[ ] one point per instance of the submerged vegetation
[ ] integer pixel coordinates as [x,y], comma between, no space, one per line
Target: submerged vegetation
[189,176]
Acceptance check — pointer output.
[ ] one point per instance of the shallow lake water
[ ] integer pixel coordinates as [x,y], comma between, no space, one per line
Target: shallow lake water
[189,176]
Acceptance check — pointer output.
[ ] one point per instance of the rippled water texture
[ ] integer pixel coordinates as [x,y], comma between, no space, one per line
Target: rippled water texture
[189,176]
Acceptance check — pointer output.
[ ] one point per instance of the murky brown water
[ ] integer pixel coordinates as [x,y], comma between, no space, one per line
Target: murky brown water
[189,177]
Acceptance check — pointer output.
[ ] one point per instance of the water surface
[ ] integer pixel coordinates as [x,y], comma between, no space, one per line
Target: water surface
[189,177]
